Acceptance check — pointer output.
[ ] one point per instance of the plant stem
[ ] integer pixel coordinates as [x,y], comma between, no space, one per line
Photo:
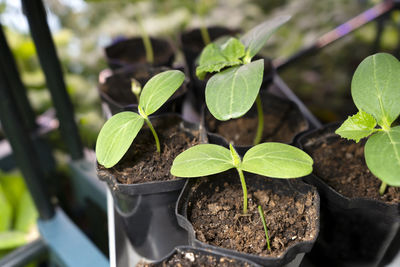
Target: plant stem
[382,189]
[260,210]
[154,134]
[205,35]
[244,188]
[146,42]
[260,116]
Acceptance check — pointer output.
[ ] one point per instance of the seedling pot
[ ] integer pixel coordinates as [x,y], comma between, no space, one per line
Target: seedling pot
[132,51]
[200,257]
[354,231]
[196,189]
[283,121]
[115,89]
[147,209]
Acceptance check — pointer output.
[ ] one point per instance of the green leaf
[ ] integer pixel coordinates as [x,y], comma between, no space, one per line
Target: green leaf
[375,87]
[12,239]
[214,57]
[277,160]
[357,126]
[201,160]
[232,92]
[116,137]
[256,38]
[382,155]
[233,49]
[159,88]
[26,213]
[6,211]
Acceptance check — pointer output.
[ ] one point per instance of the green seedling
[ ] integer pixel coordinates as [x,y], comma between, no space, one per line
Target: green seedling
[375,89]
[261,212]
[236,80]
[118,133]
[274,160]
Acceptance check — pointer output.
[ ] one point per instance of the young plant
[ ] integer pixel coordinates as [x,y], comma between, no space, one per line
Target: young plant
[375,89]
[261,212]
[274,160]
[118,133]
[236,80]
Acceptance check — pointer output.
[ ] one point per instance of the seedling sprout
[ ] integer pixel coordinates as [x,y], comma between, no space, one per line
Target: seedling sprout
[274,160]
[261,212]
[375,89]
[236,80]
[118,133]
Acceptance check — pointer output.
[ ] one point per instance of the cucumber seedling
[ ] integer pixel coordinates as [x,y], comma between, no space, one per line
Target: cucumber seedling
[271,159]
[236,80]
[375,89]
[118,133]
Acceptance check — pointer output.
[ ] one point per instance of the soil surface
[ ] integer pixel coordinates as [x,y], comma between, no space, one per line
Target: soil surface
[216,215]
[193,259]
[282,122]
[341,164]
[142,163]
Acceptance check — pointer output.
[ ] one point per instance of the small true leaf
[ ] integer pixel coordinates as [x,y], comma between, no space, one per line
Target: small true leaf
[214,57]
[159,88]
[256,38]
[201,160]
[232,92]
[382,155]
[277,160]
[375,87]
[116,137]
[357,126]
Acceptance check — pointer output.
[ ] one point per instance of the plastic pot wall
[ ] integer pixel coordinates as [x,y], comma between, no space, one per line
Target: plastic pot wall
[292,256]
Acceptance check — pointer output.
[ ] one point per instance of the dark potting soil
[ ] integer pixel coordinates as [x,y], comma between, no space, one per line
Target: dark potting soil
[193,259]
[281,123]
[142,163]
[341,164]
[217,219]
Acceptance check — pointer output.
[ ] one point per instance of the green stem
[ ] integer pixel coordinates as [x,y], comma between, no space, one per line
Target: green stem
[382,189]
[154,134]
[260,210]
[260,116]
[146,42]
[205,35]
[244,188]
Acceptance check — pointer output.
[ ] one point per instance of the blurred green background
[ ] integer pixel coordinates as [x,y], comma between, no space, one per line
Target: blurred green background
[82,28]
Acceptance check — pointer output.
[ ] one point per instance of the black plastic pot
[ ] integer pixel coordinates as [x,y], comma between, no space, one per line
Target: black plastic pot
[198,252]
[147,209]
[202,187]
[131,51]
[115,89]
[285,111]
[364,228]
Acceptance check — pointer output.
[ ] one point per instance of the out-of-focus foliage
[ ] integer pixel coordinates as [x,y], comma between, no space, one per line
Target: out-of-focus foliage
[17,213]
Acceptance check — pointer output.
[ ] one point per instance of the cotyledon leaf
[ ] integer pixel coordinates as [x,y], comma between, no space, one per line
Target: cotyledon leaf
[202,160]
[375,87]
[116,136]
[158,89]
[382,155]
[277,160]
[232,92]
[357,126]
